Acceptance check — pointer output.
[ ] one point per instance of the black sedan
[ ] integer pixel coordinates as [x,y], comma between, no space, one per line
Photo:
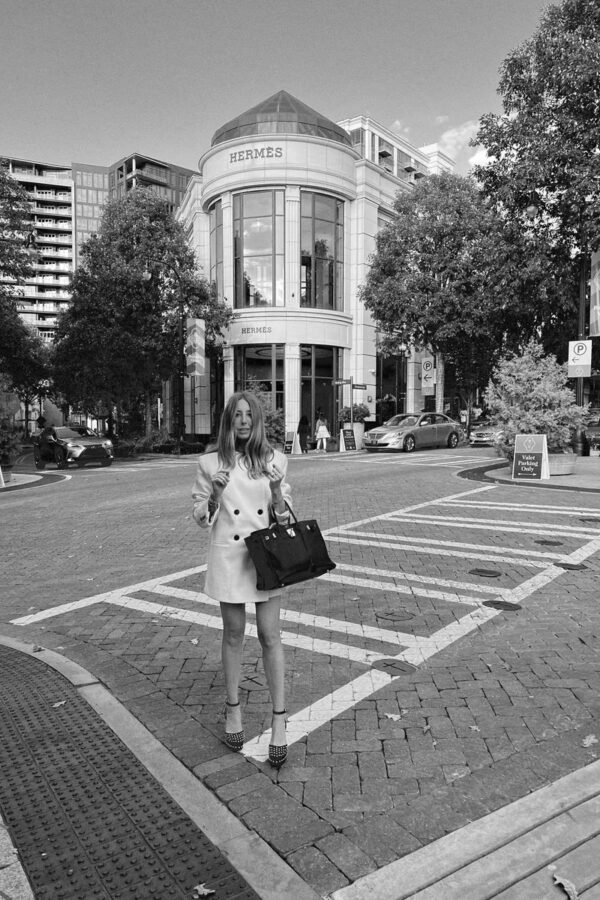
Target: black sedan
[62,444]
[410,431]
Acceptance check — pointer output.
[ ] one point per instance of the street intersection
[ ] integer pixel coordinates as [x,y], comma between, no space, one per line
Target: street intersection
[437,674]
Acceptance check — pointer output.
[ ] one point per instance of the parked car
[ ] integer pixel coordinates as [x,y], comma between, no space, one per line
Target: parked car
[484,433]
[412,431]
[63,444]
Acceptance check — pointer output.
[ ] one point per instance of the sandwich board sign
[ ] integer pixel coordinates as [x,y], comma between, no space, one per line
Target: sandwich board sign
[531,456]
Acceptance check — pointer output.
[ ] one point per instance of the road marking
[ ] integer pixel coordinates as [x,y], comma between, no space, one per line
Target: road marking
[494,525]
[437,548]
[522,507]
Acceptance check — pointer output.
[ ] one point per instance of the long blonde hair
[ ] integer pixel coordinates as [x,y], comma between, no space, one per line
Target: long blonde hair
[257,452]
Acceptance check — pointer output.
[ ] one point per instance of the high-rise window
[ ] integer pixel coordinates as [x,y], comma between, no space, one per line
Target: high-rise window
[322,251]
[258,247]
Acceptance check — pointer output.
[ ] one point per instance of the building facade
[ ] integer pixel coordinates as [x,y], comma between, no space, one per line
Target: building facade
[283,216]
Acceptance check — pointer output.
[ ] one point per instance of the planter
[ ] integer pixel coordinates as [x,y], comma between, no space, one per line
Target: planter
[561,463]
[594,451]
[359,432]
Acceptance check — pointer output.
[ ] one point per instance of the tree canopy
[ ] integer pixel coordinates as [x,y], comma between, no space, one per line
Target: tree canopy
[544,148]
[451,274]
[119,337]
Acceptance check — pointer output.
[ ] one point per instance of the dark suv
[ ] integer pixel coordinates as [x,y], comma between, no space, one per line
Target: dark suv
[63,444]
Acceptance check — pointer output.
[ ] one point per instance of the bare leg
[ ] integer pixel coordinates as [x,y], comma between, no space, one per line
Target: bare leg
[268,626]
[234,626]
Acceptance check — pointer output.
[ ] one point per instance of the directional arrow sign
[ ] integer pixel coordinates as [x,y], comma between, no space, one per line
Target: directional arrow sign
[580,359]
[344,381]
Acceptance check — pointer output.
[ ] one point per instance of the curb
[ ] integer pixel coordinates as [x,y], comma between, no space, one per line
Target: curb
[263,869]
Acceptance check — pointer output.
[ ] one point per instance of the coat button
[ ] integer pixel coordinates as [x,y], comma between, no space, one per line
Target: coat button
[236,537]
[260,512]
[236,512]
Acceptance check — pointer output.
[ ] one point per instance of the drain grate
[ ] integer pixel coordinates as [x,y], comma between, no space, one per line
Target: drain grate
[394,666]
[594,519]
[87,819]
[546,543]
[485,573]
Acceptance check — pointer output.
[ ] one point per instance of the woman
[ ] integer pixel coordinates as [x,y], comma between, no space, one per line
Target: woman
[240,487]
[303,429]
[322,433]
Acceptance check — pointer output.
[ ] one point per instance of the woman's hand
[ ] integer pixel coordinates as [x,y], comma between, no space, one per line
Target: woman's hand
[275,476]
[219,481]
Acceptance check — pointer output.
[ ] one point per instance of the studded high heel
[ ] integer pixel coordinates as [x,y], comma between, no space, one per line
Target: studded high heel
[278,753]
[233,739]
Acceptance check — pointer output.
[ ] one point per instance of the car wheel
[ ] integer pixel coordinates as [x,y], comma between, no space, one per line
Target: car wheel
[453,439]
[409,444]
[79,463]
[106,462]
[60,459]
[39,462]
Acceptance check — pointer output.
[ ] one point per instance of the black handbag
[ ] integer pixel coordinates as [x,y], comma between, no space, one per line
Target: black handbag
[288,554]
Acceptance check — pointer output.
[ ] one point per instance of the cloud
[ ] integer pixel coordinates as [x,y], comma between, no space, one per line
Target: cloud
[400,128]
[454,140]
[479,158]
[441,120]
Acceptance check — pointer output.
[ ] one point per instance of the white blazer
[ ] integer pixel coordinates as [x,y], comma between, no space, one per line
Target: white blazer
[245,506]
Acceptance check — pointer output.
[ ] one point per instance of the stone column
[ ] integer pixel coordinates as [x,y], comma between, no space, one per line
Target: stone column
[292,386]
[292,247]
[439,383]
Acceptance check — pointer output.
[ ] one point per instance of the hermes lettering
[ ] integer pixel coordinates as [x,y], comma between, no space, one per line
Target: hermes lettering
[264,330]
[256,153]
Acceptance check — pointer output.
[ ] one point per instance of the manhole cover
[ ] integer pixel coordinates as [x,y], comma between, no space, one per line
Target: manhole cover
[569,565]
[399,616]
[590,519]
[546,543]
[485,573]
[394,666]
[501,604]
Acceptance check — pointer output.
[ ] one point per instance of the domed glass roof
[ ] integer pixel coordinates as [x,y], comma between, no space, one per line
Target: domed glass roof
[280,114]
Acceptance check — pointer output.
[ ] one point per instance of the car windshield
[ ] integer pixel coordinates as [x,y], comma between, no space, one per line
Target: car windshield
[65,432]
[404,419]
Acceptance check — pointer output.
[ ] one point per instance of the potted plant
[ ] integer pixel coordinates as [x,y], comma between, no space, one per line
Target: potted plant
[528,393]
[595,445]
[360,412]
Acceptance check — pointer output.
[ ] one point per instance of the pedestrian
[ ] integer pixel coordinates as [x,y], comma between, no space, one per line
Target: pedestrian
[303,429]
[322,433]
[241,487]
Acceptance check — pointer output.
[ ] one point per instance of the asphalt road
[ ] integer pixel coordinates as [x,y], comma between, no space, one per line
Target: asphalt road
[447,667]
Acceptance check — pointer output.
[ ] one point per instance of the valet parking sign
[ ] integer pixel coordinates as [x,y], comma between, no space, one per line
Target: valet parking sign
[531,456]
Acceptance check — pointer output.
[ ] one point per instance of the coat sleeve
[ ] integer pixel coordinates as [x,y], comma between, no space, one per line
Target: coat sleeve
[283,518]
[200,495]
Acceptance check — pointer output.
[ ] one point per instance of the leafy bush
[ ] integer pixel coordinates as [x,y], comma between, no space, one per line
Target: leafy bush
[529,394]
[360,412]
[124,447]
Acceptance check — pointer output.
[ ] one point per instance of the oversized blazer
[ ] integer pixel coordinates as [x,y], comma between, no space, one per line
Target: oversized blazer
[245,506]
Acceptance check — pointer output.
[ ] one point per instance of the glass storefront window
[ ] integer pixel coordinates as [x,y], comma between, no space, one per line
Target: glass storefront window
[259,242]
[262,365]
[322,251]
[320,368]
[216,247]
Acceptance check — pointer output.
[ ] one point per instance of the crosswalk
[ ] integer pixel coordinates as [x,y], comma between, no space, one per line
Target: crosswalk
[430,567]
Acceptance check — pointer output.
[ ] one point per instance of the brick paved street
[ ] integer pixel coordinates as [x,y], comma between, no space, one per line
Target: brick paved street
[448,666]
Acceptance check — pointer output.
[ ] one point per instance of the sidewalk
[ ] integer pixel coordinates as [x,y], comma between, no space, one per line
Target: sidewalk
[126,819]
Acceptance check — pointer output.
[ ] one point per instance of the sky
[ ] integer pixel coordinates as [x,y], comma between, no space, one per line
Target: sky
[96,80]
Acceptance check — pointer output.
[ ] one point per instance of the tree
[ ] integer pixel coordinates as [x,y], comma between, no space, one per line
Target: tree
[452,275]
[30,370]
[120,336]
[15,265]
[529,394]
[543,149]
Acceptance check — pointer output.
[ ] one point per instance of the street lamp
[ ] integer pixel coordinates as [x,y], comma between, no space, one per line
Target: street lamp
[181,367]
